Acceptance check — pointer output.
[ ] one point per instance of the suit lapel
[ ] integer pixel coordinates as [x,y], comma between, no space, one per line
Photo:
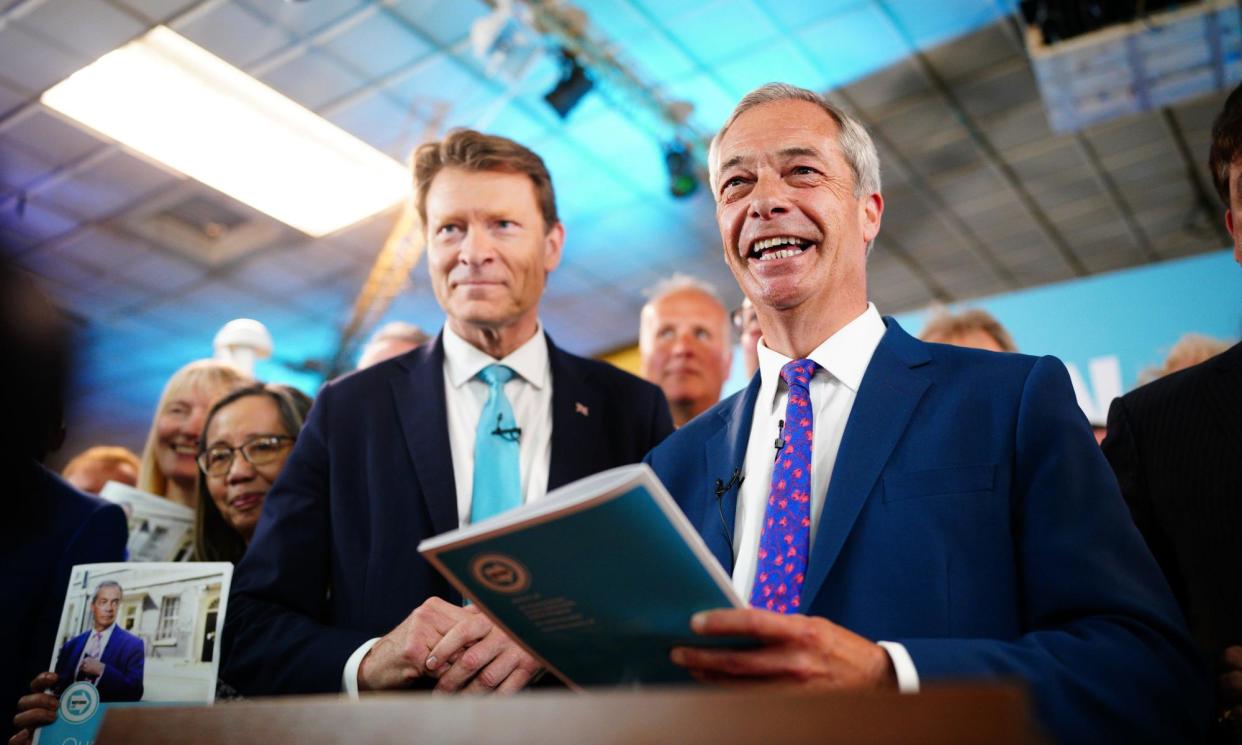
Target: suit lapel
[886,399]
[723,452]
[1223,388]
[421,409]
[577,422]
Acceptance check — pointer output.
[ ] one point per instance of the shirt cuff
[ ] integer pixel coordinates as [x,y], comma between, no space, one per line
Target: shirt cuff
[907,675]
[349,678]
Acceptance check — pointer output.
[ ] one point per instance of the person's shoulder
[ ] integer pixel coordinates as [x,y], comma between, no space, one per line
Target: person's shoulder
[1179,387]
[72,507]
[373,380]
[704,426]
[604,374]
[979,361]
[127,636]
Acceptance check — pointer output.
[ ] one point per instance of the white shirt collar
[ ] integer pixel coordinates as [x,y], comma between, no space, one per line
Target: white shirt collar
[464,360]
[844,355]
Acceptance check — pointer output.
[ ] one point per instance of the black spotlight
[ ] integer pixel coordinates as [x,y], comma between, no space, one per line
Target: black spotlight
[573,85]
[682,181]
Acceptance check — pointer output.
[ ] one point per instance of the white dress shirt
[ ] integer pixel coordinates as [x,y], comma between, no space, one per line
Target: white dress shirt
[842,359]
[529,393]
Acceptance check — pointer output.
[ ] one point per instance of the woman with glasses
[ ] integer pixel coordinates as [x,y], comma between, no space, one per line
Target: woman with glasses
[247,436]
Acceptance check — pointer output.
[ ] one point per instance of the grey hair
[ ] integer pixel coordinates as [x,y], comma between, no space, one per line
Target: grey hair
[679,282]
[401,330]
[856,145]
[106,583]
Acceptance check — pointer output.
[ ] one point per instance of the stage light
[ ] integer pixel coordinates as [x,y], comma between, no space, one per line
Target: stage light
[573,85]
[174,102]
[682,180]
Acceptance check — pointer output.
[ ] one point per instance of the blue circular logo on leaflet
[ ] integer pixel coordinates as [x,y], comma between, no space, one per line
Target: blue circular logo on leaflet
[79,703]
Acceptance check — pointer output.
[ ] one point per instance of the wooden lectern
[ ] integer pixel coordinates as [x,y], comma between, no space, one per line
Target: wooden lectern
[949,715]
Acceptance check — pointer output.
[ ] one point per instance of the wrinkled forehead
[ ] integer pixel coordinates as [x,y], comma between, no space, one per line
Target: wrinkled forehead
[772,132]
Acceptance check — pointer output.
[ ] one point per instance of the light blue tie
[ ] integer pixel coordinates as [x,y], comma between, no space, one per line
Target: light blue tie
[497,469]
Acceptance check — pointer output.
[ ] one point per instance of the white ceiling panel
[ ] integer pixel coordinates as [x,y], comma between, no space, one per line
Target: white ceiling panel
[311,79]
[87,28]
[234,33]
[32,60]
[47,135]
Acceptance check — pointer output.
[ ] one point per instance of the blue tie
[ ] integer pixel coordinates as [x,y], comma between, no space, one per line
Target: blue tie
[497,469]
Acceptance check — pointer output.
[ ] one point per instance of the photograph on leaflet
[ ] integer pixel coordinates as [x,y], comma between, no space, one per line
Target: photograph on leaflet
[159,529]
[135,634]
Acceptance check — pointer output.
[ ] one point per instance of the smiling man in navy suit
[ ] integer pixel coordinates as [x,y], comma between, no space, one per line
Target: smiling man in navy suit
[332,593]
[901,513]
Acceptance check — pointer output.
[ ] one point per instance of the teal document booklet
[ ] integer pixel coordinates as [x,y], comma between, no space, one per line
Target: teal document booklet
[598,580]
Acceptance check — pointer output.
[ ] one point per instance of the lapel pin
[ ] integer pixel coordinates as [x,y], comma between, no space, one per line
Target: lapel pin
[581,408]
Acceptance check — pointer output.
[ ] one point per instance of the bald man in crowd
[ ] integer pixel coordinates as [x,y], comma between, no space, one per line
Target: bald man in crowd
[685,345]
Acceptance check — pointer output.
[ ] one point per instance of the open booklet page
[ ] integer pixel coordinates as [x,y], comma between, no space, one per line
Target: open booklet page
[598,580]
[135,634]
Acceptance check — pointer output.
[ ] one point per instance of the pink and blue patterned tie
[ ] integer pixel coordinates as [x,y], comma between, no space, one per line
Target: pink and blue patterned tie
[784,541]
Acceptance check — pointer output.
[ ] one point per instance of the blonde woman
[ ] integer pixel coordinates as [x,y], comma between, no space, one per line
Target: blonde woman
[169,468]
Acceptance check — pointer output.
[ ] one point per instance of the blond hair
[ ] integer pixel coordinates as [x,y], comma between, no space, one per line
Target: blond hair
[1189,351]
[108,455]
[216,376]
[944,326]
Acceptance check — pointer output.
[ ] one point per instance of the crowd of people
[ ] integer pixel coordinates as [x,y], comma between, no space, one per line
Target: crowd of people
[897,511]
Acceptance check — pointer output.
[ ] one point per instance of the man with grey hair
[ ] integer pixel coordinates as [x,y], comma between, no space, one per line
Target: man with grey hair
[390,340]
[930,513]
[684,342]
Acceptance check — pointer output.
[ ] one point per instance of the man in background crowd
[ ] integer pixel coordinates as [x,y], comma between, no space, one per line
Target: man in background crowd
[685,344]
[332,594]
[388,341]
[930,513]
[974,328]
[94,467]
[1174,446]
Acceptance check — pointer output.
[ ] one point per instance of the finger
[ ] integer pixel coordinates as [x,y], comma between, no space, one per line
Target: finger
[1233,657]
[21,738]
[496,672]
[743,663]
[38,701]
[1229,686]
[34,718]
[456,640]
[517,680]
[475,659]
[43,681]
[752,622]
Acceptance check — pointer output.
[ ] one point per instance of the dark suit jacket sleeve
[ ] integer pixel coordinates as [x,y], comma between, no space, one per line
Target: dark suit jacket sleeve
[660,420]
[1122,449]
[66,659]
[1105,649]
[277,636]
[124,665]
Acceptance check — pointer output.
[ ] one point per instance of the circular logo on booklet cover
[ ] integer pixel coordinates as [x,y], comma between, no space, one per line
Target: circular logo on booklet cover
[79,702]
[500,573]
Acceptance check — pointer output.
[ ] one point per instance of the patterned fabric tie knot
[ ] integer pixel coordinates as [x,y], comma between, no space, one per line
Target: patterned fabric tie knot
[785,535]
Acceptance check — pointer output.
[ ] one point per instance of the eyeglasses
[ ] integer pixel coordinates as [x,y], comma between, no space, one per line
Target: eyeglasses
[258,451]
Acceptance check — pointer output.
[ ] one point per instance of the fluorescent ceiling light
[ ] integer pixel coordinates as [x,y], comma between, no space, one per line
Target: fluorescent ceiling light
[182,106]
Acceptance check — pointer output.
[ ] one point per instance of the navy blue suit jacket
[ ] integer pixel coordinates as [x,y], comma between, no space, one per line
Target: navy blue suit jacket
[49,527]
[972,518]
[335,559]
[123,660]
